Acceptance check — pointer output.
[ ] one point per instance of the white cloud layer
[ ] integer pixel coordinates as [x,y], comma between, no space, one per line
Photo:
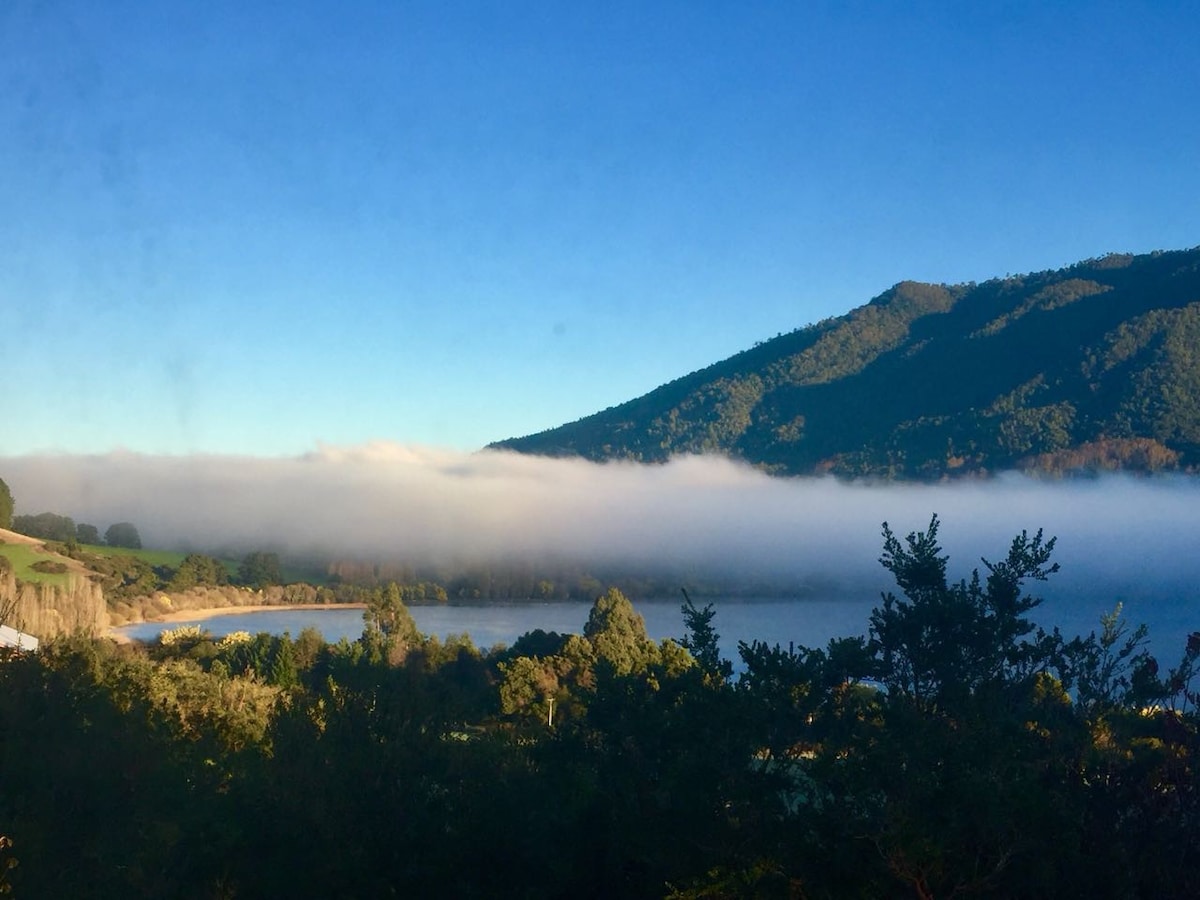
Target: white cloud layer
[422,504]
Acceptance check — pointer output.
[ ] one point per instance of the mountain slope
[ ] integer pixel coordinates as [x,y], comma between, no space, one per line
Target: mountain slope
[1095,365]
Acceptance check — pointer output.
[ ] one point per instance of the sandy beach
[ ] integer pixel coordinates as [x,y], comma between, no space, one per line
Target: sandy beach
[187,615]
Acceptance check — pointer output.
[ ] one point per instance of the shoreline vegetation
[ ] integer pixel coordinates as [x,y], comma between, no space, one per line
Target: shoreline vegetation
[165,600]
[205,612]
[917,760]
[186,615]
[128,586]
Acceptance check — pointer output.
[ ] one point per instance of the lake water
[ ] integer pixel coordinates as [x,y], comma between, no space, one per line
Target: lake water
[808,622]
[803,621]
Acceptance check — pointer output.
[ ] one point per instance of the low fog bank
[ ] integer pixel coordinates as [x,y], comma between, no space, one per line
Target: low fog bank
[1117,535]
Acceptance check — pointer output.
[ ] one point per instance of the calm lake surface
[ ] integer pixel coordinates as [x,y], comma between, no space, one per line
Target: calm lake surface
[808,622]
[776,620]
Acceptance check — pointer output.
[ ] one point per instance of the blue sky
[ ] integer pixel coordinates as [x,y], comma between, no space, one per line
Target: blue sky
[254,228]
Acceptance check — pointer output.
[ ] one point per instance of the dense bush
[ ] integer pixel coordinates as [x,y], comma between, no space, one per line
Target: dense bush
[957,749]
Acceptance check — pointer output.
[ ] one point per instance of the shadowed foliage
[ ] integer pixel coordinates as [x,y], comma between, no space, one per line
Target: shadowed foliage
[957,751]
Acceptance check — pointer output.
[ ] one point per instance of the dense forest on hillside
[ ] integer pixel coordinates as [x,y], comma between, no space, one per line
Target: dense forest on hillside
[956,750]
[1096,366]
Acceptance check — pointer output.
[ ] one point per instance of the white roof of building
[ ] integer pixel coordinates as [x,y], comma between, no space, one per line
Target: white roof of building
[10,637]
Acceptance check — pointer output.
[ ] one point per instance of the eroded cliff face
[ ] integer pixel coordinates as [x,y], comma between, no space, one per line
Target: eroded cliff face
[46,610]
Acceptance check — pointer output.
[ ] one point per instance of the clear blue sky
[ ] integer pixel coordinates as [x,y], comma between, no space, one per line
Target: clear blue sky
[253,227]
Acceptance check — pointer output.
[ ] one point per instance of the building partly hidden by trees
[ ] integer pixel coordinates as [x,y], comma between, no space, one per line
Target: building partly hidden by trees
[956,750]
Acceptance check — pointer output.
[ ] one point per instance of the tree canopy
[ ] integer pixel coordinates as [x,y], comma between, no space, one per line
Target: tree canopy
[6,506]
[198,569]
[123,534]
[617,633]
[941,639]
[260,569]
[47,525]
[957,750]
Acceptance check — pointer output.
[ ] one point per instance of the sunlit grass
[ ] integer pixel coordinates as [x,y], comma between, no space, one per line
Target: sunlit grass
[22,557]
[168,558]
[151,557]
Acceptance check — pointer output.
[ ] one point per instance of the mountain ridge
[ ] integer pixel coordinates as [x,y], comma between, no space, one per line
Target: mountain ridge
[1092,366]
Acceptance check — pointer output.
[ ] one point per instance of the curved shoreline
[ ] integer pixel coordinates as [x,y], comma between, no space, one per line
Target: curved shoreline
[207,612]
[185,615]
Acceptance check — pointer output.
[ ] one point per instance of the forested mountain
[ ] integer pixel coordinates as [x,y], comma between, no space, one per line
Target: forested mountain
[1096,366]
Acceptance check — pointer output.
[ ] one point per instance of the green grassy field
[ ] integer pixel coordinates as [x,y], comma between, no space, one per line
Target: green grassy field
[152,557]
[170,558]
[22,557]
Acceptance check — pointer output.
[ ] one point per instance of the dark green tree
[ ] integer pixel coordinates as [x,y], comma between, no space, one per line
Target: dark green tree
[283,671]
[48,526]
[198,569]
[123,534]
[702,639]
[6,505]
[387,612]
[965,775]
[260,569]
[618,634]
[87,534]
[536,643]
[941,640]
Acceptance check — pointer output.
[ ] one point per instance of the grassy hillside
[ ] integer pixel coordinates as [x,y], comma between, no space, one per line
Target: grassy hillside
[150,557]
[33,562]
[1092,366]
[22,558]
[158,559]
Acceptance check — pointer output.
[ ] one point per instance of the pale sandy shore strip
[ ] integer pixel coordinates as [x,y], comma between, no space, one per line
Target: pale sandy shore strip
[187,615]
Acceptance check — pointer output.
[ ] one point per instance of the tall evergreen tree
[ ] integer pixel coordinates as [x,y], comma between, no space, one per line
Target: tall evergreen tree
[618,634]
[702,639]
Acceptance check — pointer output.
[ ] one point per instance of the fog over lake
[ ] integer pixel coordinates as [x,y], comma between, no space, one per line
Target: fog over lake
[1119,537]
[389,500]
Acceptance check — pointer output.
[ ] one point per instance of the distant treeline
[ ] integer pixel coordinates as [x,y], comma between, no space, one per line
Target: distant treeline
[49,526]
[142,585]
[956,750]
[556,580]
